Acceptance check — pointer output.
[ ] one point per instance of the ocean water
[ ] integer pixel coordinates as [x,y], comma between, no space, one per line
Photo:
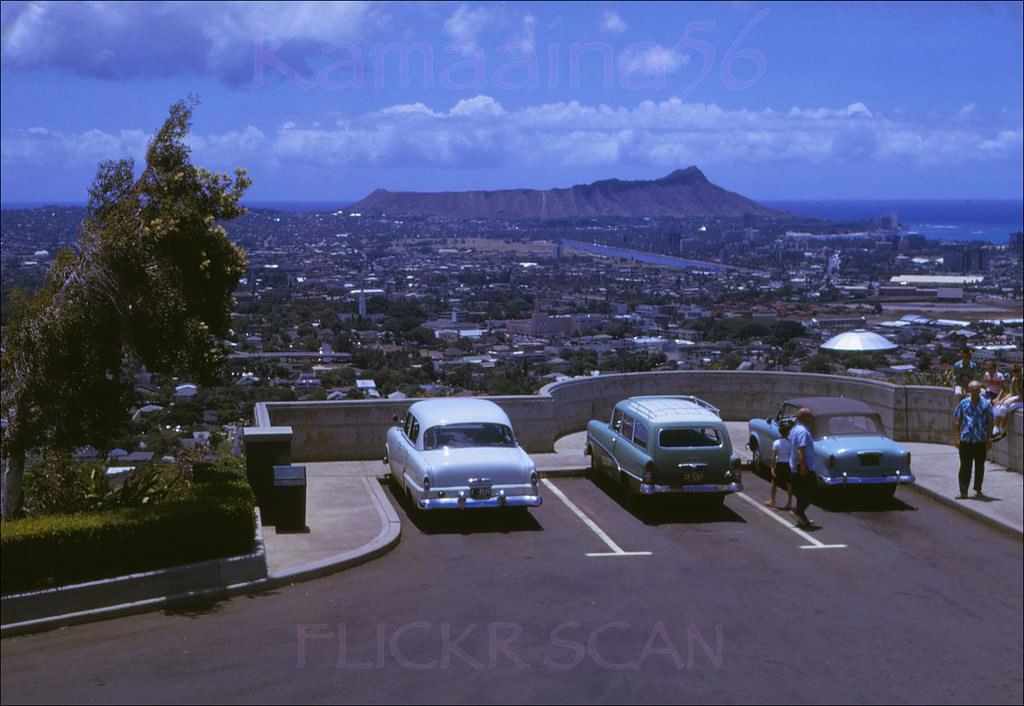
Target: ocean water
[971,220]
[977,220]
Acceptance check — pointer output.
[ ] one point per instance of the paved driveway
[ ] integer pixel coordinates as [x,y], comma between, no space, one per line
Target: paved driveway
[920,604]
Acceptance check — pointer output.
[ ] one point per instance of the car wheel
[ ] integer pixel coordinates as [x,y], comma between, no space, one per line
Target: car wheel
[755,456]
[630,500]
[414,509]
[595,465]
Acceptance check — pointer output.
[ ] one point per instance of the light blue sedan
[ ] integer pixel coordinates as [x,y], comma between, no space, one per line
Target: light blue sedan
[849,442]
[458,453]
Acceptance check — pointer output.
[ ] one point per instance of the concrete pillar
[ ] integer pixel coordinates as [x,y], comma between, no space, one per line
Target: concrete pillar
[266,447]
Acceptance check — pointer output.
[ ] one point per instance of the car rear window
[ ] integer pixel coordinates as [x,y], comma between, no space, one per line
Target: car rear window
[849,425]
[468,436]
[689,437]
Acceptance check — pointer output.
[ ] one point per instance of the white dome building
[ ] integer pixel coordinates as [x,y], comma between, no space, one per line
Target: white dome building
[859,341]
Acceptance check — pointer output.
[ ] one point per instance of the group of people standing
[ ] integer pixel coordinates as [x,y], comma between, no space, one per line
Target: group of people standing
[981,417]
[794,464]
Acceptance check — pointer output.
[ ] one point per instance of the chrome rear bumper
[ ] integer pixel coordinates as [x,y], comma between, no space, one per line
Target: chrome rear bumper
[655,489]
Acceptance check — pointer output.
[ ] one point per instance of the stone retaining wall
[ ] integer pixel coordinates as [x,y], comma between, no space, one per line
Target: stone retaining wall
[351,430]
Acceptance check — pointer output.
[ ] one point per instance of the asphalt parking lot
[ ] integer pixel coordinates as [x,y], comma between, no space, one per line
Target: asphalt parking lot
[581,600]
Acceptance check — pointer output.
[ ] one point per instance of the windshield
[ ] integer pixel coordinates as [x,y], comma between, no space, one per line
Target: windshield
[468,435]
[689,437]
[848,425]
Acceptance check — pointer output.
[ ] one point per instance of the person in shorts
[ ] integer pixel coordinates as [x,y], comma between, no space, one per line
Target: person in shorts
[993,381]
[781,449]
[1006,404]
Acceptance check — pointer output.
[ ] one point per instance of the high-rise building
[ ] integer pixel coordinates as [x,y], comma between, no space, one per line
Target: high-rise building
[890,221]
[1017,243]
[966,259]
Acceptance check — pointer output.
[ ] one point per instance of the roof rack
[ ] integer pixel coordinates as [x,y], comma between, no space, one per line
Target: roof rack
[637,402]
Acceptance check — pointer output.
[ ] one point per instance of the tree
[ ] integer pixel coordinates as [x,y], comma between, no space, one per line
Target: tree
[150,284]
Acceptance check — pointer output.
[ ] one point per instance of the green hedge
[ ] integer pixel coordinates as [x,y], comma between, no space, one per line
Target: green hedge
[214,519]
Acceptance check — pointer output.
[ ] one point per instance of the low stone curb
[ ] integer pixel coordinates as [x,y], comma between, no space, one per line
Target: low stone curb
[132,593]
[965,506]
[227,570]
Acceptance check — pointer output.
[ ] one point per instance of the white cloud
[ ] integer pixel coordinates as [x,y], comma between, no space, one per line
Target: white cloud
[477,106]
[526,41]
[612,22]
[966,112]
[465,25]
[38,145]
[127,40]
[479,131]
[651,60]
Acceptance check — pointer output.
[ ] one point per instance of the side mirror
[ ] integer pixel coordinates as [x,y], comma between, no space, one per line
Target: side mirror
[617,426]
[397,420]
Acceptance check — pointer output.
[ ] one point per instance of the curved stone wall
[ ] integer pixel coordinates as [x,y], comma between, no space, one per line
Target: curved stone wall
[349,430]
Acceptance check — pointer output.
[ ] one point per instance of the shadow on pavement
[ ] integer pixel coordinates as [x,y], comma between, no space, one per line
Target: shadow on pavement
[669,509]
[850,499]
[496,520]
[195,606]
[860,500]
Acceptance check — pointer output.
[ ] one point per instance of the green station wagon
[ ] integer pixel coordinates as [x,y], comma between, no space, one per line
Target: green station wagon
[654,445]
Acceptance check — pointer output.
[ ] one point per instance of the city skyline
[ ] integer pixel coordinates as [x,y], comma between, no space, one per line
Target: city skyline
[328,102]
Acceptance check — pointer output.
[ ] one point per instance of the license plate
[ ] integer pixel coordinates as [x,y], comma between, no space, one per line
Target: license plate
[870,459]
[693,476]
[480,493]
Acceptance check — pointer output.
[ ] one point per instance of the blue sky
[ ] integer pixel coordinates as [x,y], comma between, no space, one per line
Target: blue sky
[774,100]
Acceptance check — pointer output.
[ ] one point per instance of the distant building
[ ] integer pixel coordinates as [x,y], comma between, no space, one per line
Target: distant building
[938,280]
[838,323]
[890,221]
[966,259]
[543,325]
[1017,243]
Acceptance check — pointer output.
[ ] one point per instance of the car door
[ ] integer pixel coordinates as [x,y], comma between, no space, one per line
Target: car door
[628,452]
[606,438]
[407,448]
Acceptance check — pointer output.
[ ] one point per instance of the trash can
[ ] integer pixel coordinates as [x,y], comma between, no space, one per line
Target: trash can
[289,498]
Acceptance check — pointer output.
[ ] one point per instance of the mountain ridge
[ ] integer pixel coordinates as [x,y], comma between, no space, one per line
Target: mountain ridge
[681,193]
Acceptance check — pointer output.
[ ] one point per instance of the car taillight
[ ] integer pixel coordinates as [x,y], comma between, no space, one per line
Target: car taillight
[908,459]
[426,484]
[534,478]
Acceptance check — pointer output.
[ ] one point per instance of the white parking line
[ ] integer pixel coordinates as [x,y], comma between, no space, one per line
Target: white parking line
[616,550]
[814,543]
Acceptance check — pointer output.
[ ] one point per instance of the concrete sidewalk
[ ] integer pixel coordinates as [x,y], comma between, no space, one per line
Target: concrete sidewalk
[349,521]
[937,469]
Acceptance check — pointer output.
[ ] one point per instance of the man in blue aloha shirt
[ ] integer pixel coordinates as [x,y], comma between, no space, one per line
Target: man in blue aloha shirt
[972,427]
